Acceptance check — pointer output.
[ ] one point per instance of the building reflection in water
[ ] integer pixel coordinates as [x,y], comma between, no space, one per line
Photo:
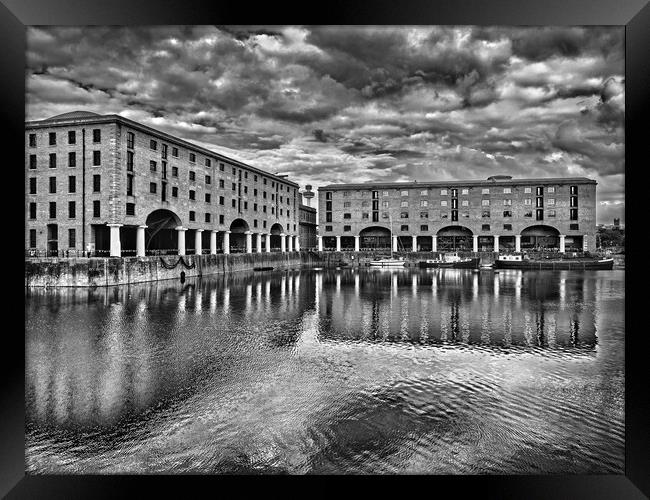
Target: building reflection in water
[97,357]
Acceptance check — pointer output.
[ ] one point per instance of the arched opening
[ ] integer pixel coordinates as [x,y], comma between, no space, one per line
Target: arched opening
[238,228]
[347,243]
[276,239]
[161,237]
[374,237]
[454,238]
[540,238]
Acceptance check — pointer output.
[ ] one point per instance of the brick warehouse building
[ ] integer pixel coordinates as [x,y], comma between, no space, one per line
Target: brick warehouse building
[105,184]
[498,214]
[308,220]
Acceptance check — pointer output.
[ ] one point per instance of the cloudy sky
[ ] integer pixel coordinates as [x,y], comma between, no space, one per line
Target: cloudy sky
[354,104]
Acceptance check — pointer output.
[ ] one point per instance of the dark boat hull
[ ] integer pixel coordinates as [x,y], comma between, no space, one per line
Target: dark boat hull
[567,264]
[470,264]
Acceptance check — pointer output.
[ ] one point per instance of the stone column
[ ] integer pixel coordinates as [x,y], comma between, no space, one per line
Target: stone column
[338,243]
[290,243]
[198,241]
[356,243]
[181,239]
[517,242]
[139,241]
[283,243]
[297,243]
[585,242]
[249,241]
[562,249]
[115,243]
[258,240]
[475,242]
[226,242]
[213,241]
[414,245]
[394,243]
[320,243]
[268,241]
[434,243]
[496,242]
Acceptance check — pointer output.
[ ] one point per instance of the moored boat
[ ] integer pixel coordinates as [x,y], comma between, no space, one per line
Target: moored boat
[387,263]
[578,263]
[451,260]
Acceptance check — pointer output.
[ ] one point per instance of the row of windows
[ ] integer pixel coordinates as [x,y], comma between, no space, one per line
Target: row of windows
[454,203]
[573,214]
[72,138]
[539,191]
[72,209]
[72,238]
[425,227]
[72,160]
[72,184]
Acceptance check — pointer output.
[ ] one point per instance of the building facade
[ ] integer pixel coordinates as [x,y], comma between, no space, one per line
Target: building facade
[106,185]
[498,214]
[308,227]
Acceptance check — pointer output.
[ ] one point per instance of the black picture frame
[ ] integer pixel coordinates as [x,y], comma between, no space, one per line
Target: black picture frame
[634,15]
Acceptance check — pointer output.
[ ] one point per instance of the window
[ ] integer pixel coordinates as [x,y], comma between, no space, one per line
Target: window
[32,140]
[464,191]
[72,238]
[485,214]
[208,198]
[32,161]
[152,187]
[174,152]
[32,210]
[573,190]
[234,186]
[207,217]
[528,190]
[97,135]
[192,215]
[246,191]
[573,214]
[221,219]
[347,228]
[208,163]
[346,204]
[539,202]
[129,185]
[264,208]
[52,210]
[153,145]
[192,176]
[130,140]
[444,215]
[573,201]
[365,215]
[404,204]
[192,158]
[404,193]
[32,238]
[52,185]
[32,185]
[507,190]
[466,215]
[507,202]
[234,203]
[424,215]
[129,161]
[443,203]
[255,207]
[96,210]
[347,216]
[255,178]
[454,193]
[72,210]
[550,201]
[254,192]
[485,227]
[72,137]
[507,227]
[485,191]
[443,192]
[52,160]
[164,151]
[192,194]
[130,209]
[97,181]
[574,227]
[539,214]
[529,213]
[528,201]
[174,192]
[485,203]
[384,204]
[52,137]
[328,228]
[152,165]
[465,203]
[550,213]
[404,215]
[97,158]
[72,184]
[264,194]
[221,200]
[424,227]
[174,171]
[507,213]
[328,216]
[540,191]
[424,192]
[551,189]
[404,227]
[424,203]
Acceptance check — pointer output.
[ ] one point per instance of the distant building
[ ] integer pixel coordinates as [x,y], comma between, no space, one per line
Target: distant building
[617,223]
[497,214]
[307,220]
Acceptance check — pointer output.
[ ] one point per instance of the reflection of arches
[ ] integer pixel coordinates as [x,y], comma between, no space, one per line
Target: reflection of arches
[540,237]
[276,240]
[161,235]
[237,237]
[453,238]
[374,237]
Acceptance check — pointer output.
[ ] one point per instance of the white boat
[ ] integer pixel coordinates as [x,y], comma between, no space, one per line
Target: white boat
[452,260]
[390,262]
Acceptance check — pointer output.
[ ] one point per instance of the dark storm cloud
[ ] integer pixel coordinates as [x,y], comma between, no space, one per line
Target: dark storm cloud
[341,104]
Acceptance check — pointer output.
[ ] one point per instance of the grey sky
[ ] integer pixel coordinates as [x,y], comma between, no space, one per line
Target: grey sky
[354,104]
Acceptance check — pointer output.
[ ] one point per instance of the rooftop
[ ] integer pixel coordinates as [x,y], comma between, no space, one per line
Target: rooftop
[494,180]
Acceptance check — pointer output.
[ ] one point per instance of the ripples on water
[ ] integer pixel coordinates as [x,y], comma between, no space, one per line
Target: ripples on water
[326,371]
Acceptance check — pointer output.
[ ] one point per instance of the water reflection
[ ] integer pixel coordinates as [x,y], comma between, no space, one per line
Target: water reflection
[328,370]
